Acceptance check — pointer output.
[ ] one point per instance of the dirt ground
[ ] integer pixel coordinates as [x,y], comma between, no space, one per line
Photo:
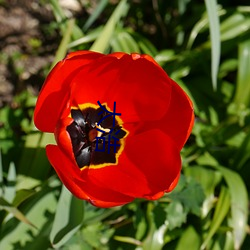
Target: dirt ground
[28,40]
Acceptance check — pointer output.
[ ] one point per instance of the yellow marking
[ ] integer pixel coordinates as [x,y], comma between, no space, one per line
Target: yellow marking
[122,140]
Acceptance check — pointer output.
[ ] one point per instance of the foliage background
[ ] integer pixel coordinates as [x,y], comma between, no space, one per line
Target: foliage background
[205,47]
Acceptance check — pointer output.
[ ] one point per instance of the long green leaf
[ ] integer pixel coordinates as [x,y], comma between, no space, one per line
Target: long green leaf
[62,19]
[1,175]
[14,211]
[129,240]
[242,155]
[221,211]
[62,50]
[242,96]
[214,27]
[103,40]
[126,43]
[239,204]
[100,7]
[68,219]
[155,237]
[235,25]
[90,37]
[39,210]
[190,239]
[10,189]
[203,22]
[57,10]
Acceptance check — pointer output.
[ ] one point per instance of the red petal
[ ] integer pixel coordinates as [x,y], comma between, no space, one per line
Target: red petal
[79,184]
[174,183]
[179,120]
[118,55]
[155,154]
[141,90]
[63,138]
[124,178]
[150,168]
[55,92]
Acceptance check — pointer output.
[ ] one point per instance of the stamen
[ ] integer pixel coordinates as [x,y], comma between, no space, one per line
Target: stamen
[99,133]
[92,142]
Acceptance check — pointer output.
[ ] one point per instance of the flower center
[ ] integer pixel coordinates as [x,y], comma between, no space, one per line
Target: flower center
[97,138]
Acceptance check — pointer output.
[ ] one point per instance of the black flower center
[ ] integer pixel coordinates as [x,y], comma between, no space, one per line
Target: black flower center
[95,138]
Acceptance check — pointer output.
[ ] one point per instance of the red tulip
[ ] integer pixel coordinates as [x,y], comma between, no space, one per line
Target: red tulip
[144,141]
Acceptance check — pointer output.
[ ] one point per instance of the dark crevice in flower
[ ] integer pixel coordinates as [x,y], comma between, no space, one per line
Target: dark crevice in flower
[89,145]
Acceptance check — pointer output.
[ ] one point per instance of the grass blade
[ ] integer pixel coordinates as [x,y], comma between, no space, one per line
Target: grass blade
[101,6]
[10,189]
[239,204]
[242,97]
[68,219]
[221,211]
[214,27]
[62,50]
[101,43]
[14,211]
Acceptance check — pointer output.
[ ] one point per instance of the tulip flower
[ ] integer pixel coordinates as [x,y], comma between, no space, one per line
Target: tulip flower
[119,122]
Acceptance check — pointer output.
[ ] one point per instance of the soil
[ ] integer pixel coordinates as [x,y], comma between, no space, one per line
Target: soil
[28,41]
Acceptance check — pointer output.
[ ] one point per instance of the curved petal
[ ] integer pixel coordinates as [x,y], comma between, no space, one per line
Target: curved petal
[55,91]
[174,183]
[178,121]
[157,157]
[123,177]
[78,183]
[170,188]
[140,89]
[149,167]
[118,55]
[63,138]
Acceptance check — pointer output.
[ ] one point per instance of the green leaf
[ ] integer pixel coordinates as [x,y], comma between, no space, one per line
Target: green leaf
[1,175]
[145,45]
[37,165]
[239,204]
[192,196]
[14,211]
[208,178]
[242,155]
[10,189]
[68,218]
[62,20]
[90,37]
[96,13]
[62,50]
[129,240]
[176,215]
[123,41]
[39,210]
[214,27]
[155,237]
[220,213]
[96,234]
[164,56]
[242,97]
[57,10]
[103,40]
[22,195]
[190,239]
[141,224]
[201,24]
[235,25]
